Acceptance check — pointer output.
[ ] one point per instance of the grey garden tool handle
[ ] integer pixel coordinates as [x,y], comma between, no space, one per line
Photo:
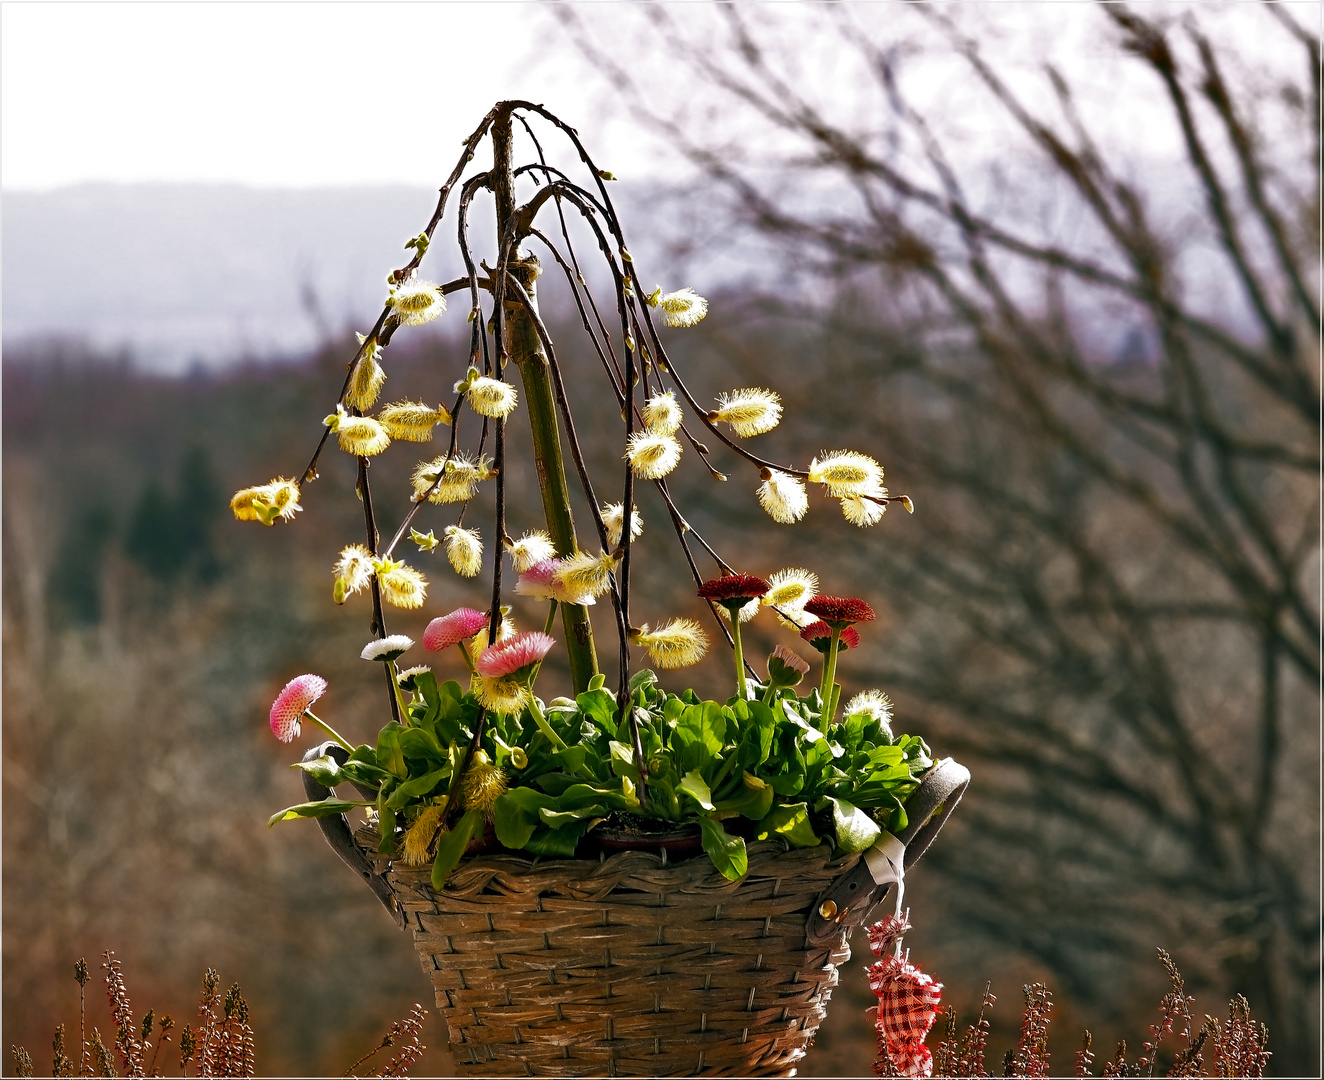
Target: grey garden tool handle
[848,901]
[336,830]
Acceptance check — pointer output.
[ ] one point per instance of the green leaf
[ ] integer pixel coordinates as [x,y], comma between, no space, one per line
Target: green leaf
[700,733]
[517,815]
[557,843]
[451,847]
[597,682]
[726,851]
[324,770]
[409,790]
[856,830]
[693,785]
[416,742]
[642,680]
[389,754]
[600,707]
[791,823]
[320,808]
[752,802]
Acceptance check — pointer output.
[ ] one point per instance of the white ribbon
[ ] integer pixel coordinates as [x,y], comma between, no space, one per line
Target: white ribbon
[886,862]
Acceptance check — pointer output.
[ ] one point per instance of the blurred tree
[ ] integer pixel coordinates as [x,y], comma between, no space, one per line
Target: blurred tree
[172,536]
[76,589]
[1097,371]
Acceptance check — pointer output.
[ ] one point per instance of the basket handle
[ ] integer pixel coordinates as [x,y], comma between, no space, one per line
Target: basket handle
[848,900]
[335,827]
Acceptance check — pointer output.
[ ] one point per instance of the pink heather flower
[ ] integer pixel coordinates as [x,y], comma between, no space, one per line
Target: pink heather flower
[509,656]
[292,702]
[451,629]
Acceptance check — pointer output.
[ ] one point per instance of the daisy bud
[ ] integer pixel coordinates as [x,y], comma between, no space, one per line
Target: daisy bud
[412,421]
[874,704]
[675,644]
[292,702]
[518,758]
[353,570]
[464,549]
[652,456]
[748,412]
[366,382]
[491,397]
[844,472]
[361,436]
[451,629]
[530,549]
[386,648]
[684,307]
[786,668]
[584,575]
[782,496]
[662,415]
[401,586]
[613,516]
[416,302]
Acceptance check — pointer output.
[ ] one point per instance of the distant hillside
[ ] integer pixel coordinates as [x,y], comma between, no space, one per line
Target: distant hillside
[182,275]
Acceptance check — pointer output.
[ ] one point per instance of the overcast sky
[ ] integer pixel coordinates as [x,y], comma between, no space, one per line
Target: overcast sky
[270,94]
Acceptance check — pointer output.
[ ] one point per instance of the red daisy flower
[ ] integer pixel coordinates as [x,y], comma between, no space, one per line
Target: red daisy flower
[733,591]
[840,611]
[819,635]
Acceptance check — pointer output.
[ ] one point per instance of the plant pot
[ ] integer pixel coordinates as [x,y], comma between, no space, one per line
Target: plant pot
[633,964]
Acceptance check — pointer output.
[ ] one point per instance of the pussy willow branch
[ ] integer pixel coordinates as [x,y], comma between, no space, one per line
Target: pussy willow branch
[441,475]
[479,335]
[378,616]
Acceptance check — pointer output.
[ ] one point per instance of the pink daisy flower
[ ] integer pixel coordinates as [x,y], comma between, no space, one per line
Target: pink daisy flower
[292,702]
[451,629]
[509,656]
[536,581]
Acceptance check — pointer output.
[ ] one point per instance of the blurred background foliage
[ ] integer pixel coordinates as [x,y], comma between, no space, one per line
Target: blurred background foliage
[1106,603]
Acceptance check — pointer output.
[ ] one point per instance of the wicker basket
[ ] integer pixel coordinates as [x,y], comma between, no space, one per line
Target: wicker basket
[632,966]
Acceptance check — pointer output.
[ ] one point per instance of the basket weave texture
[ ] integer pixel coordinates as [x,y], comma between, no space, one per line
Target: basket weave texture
[627,966]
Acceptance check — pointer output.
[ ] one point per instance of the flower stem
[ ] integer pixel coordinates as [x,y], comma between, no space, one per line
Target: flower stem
[465,653]
[546,629]
[543,725]
[399,692]
[830,678]
[328,729]
[740,656]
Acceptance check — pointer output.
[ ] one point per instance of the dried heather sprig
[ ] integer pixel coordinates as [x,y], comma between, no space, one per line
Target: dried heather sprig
[61,1064]
[22,1061]
[407,1035]
[117,996]
[1084,1056]
[1032,1046]
[101,1059]
[974,1044]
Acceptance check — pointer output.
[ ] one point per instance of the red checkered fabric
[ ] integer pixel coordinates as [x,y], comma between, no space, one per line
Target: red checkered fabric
[908,1002]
